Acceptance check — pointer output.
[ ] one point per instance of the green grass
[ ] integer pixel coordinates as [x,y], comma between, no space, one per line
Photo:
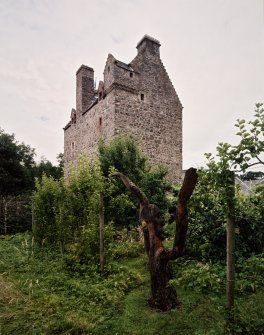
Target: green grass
[196,315]
[40,296]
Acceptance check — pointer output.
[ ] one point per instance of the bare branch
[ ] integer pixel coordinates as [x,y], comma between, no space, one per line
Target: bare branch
[260,161]
[132,188]
[248,166]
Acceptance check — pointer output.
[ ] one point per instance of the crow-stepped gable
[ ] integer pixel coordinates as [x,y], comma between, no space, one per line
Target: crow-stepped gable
[136,98]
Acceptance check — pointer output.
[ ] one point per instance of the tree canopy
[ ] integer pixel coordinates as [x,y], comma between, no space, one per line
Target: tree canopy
[16,165]
[123,154]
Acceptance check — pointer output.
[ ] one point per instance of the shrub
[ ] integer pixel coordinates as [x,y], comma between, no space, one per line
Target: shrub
[69,213]
[207,221]
[208,277]
[124,155]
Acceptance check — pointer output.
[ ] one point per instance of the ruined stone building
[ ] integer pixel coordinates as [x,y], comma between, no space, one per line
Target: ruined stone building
[136,98]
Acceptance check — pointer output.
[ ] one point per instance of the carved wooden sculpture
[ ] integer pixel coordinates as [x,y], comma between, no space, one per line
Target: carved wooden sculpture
[163,295]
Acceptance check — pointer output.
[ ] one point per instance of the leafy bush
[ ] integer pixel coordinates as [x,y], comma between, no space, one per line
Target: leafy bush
[126,244]
[124,155]
[250,273]
[68,214]
[208,277]
[15,213]
[249,222]
[207,221]
[46,200]
[243,323]
[198,276]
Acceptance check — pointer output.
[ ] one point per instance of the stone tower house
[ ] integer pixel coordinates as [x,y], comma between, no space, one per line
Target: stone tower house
[136,98]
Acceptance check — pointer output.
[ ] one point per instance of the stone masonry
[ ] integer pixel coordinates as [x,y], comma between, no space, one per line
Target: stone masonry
[136,98]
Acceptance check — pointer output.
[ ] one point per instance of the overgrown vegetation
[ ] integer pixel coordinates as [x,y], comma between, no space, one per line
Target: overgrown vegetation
[40,294]
[207,228]
[17,172]
[50,279]
[43,295]
[67,215]
[124,155]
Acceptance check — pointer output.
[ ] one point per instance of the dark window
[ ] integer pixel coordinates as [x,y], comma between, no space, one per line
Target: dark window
[142,97]
[108,68]
[131,74]
[100,95]
[100,121]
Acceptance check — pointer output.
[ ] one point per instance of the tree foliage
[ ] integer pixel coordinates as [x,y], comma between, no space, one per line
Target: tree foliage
[47,168]
[67,214]
[209,202]
[123,154]
[16,165]
[207,226]
[17,172]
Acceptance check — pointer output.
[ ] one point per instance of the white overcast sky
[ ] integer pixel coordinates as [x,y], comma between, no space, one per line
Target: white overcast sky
[213,51]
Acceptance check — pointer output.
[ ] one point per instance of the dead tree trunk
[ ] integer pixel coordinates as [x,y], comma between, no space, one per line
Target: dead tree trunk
[163,295]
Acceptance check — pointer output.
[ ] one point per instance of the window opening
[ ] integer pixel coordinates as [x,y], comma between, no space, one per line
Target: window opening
[100,121]
[131,74]
[142,97]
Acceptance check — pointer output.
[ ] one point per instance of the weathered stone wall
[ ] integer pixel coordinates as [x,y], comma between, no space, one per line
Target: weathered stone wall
[82,137]
[156,127]
[138,99]
[153,112]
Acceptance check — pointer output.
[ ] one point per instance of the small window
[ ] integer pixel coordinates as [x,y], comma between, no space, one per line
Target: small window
[108,69]
[131,74]
[142,96]
[100,96]
[73,146]
[100,121]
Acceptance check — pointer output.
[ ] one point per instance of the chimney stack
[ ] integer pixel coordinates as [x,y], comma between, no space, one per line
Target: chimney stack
[84,88]
[150,44]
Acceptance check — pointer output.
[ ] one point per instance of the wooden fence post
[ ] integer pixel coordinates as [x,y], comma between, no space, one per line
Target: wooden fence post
[230,240]
[101,232]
